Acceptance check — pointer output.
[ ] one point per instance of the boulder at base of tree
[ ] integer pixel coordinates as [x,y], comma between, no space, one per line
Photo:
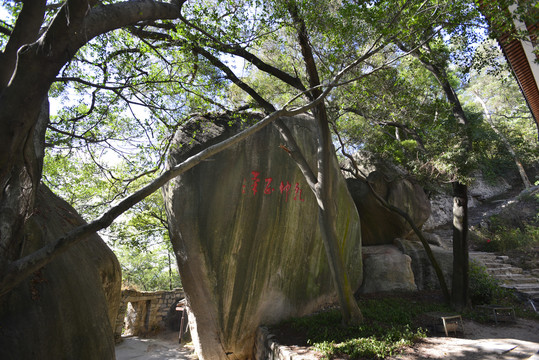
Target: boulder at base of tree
[244,225]
[379,225]
[424,274]
[386,269]
[67,309]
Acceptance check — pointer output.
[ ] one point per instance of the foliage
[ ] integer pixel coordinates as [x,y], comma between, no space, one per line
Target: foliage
[371,347]
[484,289]
[388,328]
[503,239]
[148,269]
[516,227]
[402,105]
[142,244]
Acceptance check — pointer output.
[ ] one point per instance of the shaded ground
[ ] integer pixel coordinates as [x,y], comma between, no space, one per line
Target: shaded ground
[509,341]
[519,340]
[161,347]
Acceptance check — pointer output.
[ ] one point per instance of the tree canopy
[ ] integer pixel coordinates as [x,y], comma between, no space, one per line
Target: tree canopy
[121,76]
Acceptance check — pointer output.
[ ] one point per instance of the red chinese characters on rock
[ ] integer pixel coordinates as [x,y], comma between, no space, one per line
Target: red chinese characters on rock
[251,186]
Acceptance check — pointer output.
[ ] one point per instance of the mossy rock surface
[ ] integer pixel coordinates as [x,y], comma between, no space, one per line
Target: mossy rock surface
[66,310]
[244,225]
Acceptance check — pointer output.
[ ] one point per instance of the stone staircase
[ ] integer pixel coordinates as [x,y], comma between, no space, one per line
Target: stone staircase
[511,277]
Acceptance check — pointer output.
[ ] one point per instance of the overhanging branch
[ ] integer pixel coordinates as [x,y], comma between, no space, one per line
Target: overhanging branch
[20,269]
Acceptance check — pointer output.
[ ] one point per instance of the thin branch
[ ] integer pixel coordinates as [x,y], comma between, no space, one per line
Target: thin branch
[5,30]
[73,135]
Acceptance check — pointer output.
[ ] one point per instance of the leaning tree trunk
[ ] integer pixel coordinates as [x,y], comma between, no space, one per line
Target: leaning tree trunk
[459,293]
[327,218]
[324,187]
[459,290]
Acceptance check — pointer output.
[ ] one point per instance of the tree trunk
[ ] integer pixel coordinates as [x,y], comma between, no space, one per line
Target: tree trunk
[327,218]
[459,291]
[324,187]
[29,67]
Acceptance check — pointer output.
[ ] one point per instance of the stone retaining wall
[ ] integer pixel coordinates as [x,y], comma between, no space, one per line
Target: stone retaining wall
[142,312]
[267,348]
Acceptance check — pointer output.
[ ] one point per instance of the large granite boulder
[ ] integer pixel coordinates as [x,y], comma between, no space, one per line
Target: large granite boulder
[244,226]
[67,309]
[380,225]
[386,269]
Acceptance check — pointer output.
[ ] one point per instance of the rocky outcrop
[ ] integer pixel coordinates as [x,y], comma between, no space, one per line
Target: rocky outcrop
[67,309]
[244,226]
[380,225]
[480,190]
[386,269]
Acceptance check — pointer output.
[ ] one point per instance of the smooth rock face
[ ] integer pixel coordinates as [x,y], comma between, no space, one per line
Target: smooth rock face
[67,310]
[424,274]
[386,269]
[244,225]
[380,225]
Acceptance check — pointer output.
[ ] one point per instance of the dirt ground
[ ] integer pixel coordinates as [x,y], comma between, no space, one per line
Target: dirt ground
[508,341]
[164,346]
[519,340]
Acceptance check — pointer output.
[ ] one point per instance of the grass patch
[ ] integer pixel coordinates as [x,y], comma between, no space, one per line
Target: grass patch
[389,326]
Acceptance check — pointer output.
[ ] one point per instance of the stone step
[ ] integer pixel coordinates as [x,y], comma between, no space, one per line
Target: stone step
[487,255]
[481,255]
[523,287]
[530,293]
[510,276]
[496,264]
[504,270]
[516,279]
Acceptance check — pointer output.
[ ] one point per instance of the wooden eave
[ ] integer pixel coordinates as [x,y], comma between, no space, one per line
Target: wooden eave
[515,55]
[518,61]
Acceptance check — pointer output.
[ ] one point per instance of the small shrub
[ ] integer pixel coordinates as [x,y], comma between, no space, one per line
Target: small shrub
[509,239]
[482,285]
[484,289]
[372,347]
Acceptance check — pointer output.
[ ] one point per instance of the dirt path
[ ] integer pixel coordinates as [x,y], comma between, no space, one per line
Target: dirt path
[163,347]
[508,341]
[519,340]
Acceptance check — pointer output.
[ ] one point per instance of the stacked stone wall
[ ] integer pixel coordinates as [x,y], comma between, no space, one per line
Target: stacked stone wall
[143,312]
